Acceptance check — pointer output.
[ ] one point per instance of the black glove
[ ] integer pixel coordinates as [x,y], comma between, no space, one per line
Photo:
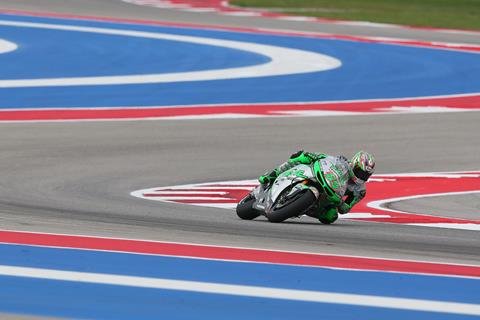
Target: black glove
[296,154]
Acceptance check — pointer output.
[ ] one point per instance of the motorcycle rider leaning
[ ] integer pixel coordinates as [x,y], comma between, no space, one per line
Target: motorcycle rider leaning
[358,169]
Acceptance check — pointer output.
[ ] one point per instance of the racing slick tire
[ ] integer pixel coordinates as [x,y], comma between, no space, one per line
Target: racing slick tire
[245,210]
[295,208]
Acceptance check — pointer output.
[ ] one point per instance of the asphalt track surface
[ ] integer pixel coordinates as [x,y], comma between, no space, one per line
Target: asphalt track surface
[75,178]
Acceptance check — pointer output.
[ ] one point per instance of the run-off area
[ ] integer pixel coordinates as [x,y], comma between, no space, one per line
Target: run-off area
[114,65]
[76,283]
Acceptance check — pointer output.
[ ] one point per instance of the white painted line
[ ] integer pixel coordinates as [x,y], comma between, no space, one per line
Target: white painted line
[216,116]
[461,226]
[166,192]
[175,198]
[382,205]
[200,10]
[283,61]
[246,291]
[330,113]
[297,18]
[159,4]
[367,24]
[179,188]
[456,44]
[242,13]
[164,6]
[232,205]
[316,113]
[362,215]
[7,46]
[470,32]
[424,109]
[249,183]
[381,180]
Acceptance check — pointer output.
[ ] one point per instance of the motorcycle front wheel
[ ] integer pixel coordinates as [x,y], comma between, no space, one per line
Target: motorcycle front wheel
[295,207]
[245,208]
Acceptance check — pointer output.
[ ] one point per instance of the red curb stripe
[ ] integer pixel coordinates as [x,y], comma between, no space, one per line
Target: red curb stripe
[467,102]
[236,254]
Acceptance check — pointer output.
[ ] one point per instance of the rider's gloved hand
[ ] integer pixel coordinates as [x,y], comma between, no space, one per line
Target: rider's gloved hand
[311,155]
[296,154]
[350,201]
[268,178]
[303,157]
[263,179]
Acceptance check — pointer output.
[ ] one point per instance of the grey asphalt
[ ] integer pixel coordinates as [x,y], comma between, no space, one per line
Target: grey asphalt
[457,206]
[7,316]
[75,178]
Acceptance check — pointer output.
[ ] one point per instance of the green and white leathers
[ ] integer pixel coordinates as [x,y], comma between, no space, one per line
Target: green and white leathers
[338,180]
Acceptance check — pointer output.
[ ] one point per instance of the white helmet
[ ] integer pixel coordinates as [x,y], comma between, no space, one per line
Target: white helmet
[362,166]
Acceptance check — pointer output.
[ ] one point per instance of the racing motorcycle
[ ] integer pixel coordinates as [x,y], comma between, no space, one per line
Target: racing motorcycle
[304,189]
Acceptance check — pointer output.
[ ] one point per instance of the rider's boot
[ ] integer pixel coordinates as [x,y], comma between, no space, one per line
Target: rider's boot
[329,217]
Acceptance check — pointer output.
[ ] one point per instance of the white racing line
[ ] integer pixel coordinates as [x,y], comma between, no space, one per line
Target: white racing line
[7,46]
[383,205]
[283,61]
[246,291]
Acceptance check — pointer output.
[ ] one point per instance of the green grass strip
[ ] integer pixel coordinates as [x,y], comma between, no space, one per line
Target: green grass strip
[460,14]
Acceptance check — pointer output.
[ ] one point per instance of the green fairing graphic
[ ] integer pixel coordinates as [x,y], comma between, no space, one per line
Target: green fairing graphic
[331,194]
[296,172]
[333,180]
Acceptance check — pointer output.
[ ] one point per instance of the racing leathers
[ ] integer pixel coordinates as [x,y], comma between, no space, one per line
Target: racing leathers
[352,192]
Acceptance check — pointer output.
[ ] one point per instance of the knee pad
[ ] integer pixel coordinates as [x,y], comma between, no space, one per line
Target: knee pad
[329,217]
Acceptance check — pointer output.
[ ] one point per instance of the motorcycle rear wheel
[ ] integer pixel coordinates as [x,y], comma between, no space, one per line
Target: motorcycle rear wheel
[304,201]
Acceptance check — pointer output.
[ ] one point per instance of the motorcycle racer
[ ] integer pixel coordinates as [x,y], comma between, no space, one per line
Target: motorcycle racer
[354,172]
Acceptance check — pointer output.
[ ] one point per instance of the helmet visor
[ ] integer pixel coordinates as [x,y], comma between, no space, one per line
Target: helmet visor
[360,174]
